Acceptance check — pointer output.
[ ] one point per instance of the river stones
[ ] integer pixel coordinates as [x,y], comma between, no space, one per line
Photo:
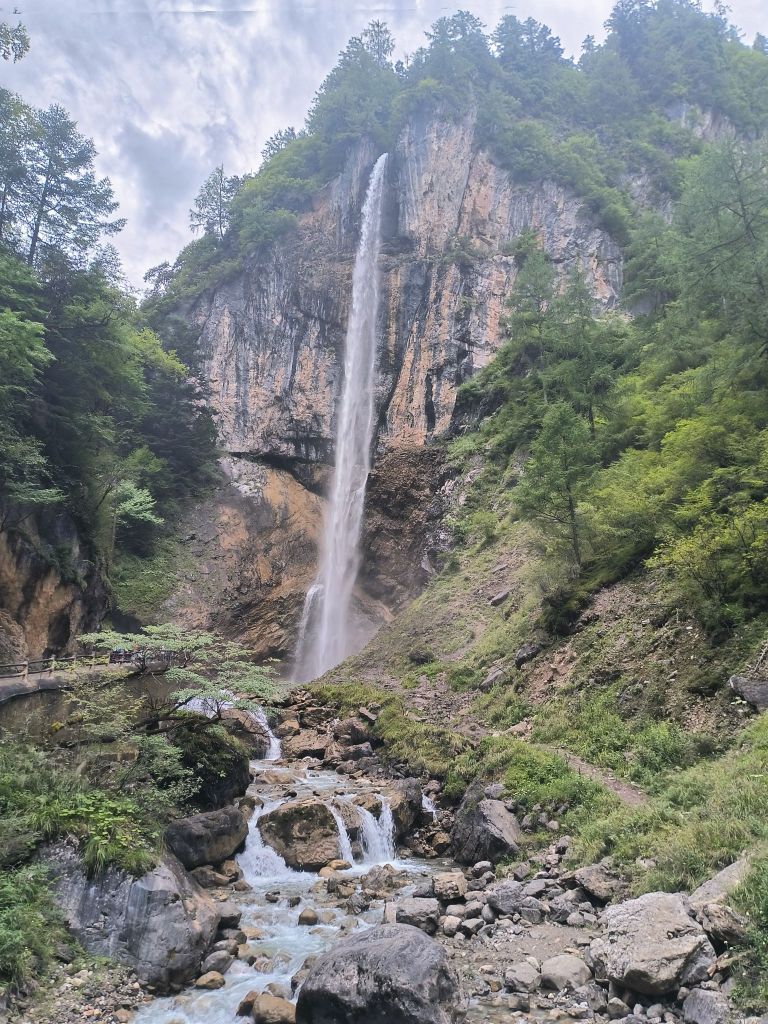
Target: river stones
[303,832]
[420,912]
[390,974]
[207,838]
[269,1009]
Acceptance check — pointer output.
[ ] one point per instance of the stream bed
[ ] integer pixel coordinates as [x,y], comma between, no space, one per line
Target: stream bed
[279,894]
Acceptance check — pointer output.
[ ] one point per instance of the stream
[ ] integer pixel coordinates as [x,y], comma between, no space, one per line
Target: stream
[279,894]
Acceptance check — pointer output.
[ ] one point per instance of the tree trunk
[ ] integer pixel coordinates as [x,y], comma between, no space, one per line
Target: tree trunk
[39,216]
[574,529]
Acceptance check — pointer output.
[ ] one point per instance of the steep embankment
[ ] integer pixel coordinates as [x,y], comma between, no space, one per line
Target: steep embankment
[271,341]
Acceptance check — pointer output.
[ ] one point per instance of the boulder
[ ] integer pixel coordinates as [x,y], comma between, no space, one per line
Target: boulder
[522,977]
[422,913]
[207,838]
[390,974]
[220,961]
[352,731]
[564,972]
[449,886]
[160,924]
[652,945]
[209,877]
[723,924]
[704,1006]
[506,897]
[496,675]
[753,691]
[483,829]
[210,980]
[307,743]
[405,801]
[303,832]
[270,1009]
[599,881]
[715,889]
[525,654]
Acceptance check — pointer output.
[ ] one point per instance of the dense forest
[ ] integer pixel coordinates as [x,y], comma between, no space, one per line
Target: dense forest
[98,418]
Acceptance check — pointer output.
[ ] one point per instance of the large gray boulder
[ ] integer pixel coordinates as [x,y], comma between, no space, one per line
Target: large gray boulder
[753,691]
[652,945]
[483,829]
[160,925]
[207,838]
[391,974]
[303,832]
[421,912]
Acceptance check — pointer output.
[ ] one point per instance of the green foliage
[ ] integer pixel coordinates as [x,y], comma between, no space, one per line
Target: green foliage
[700,821]
[531,776]
[211,756]
[751,897]
[31,928]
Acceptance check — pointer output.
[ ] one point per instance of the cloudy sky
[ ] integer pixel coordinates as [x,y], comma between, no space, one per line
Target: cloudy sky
[168,89]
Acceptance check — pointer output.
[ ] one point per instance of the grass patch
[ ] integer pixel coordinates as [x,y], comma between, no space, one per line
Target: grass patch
[751,898]
[31,927]
[531,777]
[41,799]
[701,821]
[427,749]
[502,707]
[142,583]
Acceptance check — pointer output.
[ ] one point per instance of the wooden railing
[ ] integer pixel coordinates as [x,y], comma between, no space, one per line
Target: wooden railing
[40,666]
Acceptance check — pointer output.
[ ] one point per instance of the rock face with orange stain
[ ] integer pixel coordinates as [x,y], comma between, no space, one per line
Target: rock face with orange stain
[272,339]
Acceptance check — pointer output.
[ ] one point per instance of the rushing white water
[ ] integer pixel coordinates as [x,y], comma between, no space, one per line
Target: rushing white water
[274,750]
[258,860]
[345,844]
[377,835]
[326,635]
[428,805]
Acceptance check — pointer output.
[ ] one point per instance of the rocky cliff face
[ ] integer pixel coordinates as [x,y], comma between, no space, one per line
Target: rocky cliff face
[49,590]
[272,341]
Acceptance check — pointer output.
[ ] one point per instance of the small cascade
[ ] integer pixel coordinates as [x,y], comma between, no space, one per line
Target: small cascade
[274,750]
[377,835]
[258,860]
[345,844]
[428,805]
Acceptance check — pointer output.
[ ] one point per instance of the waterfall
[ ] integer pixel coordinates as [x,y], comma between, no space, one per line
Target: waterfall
[377,834]
[258,860]
[325,634]
[274,751]
[345,845]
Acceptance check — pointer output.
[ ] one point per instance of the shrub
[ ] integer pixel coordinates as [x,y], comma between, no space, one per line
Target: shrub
[30,925]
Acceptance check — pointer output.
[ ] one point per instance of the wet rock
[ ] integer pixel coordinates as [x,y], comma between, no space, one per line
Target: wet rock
[219,961]
[390,974]
[207,838]
[160,924]
[419,912]
[208,877]
[564,972]
[483,829]
[303,832]
[652,945]
[405,802]
[270,1009]
[210,980]
[229,916]
[704,1006]
[308,917]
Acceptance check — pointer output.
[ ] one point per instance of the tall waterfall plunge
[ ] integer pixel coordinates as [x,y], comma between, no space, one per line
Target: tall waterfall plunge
[325,633]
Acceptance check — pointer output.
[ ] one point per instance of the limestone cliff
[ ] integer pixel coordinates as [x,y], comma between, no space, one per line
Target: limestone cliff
[271,339]
[49,590]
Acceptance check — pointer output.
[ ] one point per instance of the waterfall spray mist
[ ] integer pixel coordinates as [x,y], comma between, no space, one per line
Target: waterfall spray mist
[325,633]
